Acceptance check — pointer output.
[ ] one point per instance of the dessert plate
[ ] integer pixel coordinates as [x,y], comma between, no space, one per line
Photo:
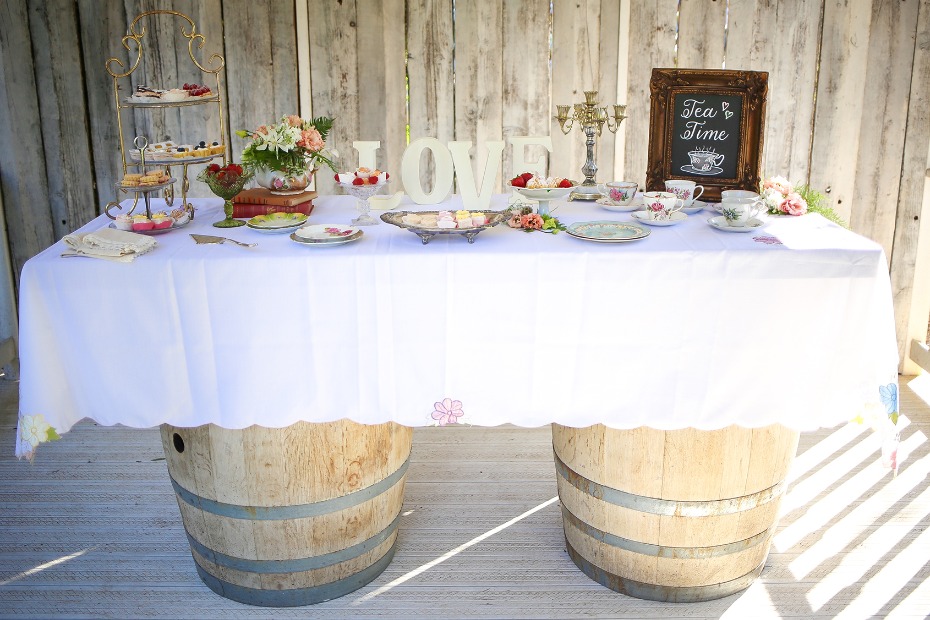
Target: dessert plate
[720,223]
[426,233]
[646,218]
[635,205]
[277,223]
[155,231]
[608,232]
[326,234]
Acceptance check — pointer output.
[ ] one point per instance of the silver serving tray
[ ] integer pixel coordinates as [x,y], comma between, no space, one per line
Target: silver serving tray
[426,234]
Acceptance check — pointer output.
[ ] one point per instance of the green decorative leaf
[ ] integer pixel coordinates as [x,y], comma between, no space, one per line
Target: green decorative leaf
[858,419]
[52,435]
[894,417]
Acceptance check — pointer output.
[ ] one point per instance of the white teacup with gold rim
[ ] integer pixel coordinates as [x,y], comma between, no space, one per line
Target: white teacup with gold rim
[662,204]
[620,193]
[687,191]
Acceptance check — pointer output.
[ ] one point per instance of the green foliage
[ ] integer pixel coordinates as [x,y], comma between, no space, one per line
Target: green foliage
[817,203]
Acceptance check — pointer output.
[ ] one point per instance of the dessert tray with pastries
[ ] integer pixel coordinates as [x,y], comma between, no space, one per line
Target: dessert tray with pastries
[169,152]
[189,94]
[428,224]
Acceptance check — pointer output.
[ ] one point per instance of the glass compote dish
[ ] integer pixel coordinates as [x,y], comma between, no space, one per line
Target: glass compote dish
[226,182]
[363,184]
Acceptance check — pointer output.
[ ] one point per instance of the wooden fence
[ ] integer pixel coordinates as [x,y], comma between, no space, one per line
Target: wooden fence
[848,108]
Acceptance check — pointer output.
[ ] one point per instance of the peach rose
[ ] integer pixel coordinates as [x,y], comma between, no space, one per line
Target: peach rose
[515,221]
[783,185]
[263,130]
[294,121]
[311,139]
[793,204]
[532,220]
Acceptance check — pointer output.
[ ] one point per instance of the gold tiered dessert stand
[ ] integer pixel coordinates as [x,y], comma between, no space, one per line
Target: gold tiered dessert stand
[213,66]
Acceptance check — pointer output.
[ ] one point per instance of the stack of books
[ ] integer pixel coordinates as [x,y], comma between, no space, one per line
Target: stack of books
[260,201]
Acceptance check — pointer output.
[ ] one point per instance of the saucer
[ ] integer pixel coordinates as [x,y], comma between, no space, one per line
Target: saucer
[635,204]
[720,223]
[707,173]
[696,206]
[646,218]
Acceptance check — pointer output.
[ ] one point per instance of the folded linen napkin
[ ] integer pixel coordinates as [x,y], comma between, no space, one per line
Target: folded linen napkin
[108,243]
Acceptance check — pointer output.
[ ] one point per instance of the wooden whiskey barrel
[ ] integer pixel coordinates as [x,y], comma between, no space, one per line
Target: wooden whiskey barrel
[289,516]
[677,516]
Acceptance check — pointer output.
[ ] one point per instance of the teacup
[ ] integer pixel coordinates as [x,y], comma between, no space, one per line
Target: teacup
[687,191]
[740,213]
[738,195]
[618,192]
[704,160]
[661,205]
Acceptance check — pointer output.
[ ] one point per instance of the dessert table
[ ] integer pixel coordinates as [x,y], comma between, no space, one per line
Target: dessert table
[689,330]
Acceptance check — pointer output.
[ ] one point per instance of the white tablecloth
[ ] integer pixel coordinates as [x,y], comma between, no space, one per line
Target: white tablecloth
[691,327]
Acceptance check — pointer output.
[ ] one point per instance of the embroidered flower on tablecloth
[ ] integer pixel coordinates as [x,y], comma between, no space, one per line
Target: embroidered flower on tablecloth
[883,418]
[889,396]
[33,430]
[768,240]
[448,411]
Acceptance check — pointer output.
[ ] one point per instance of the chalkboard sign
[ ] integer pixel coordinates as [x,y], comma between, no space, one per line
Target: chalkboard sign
[706,126]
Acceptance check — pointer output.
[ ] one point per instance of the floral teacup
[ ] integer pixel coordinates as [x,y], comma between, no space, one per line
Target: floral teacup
[739,214]
[620,193]
[687,191]
[661,205]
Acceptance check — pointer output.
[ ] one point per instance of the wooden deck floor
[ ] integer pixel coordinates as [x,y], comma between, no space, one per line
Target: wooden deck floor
[91,529]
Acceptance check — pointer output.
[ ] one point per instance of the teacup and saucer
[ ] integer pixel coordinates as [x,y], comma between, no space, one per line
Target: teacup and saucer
[617,194]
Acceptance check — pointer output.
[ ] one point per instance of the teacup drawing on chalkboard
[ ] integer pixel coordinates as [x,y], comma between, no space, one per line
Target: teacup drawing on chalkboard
[704,162]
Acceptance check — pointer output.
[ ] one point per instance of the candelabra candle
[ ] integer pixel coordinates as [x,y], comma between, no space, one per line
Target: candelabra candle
[592,118]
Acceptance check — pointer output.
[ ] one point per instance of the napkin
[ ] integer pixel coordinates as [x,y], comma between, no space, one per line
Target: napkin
[109,244]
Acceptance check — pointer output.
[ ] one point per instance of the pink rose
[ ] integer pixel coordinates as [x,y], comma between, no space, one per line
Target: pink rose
[294,121]
[263,130]
[781,184]
[793,204]
[656,206]
[311,139]
[515,221]
[532,220]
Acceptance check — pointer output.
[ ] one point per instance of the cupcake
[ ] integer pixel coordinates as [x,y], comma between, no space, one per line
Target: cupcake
[180,216]
[161,220]
[123,222]
[141,223]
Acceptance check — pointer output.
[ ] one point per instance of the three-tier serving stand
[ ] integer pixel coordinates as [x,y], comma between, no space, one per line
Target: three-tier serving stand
[122,99]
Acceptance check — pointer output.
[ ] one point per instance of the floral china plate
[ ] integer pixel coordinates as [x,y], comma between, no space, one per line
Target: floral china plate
[326,234]
[608,232]
[635,205]
[277,223]
[646,217]
[720,223]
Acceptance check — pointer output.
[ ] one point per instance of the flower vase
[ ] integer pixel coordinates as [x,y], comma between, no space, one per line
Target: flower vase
[283,184]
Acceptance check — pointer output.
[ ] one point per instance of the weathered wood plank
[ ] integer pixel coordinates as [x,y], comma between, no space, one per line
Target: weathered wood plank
[101,26]
[701,34]
[25,195]
[479,79]
[261,74]
[651,45]
[525,94]
[914,197]
[608,53]
[382,74]
[884,120]
[59,80]
[782,38]
[840,100]
[334,75]
[575,69]
[429,68]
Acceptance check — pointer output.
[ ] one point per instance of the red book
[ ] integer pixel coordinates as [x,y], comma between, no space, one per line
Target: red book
[262,196]
[241,209]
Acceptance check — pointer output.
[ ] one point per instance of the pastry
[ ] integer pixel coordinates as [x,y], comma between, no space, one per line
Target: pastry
[140,222]
[123,222]
[175,94]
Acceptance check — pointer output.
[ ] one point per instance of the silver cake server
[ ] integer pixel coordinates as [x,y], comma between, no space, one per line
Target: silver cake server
[212,239]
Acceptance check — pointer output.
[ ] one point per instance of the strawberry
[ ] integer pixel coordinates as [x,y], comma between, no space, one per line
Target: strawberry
[518,182]
[565,183]
[372,180]
[526,176]
[186,86]
[358,181]
[214,168]
[236,167]
[336,176]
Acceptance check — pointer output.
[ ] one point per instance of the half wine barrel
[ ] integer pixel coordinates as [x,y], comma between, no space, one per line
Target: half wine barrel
[289,516]
[677,516]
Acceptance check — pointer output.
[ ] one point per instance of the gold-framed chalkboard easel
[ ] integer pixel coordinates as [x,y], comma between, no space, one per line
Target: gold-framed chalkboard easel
[706,126]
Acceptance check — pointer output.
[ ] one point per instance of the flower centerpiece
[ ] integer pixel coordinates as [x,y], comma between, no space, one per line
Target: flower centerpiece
[524,219]
[285,155]
[782,197]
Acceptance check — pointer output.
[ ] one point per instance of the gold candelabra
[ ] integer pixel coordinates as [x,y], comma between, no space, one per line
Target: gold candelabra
[592,119]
